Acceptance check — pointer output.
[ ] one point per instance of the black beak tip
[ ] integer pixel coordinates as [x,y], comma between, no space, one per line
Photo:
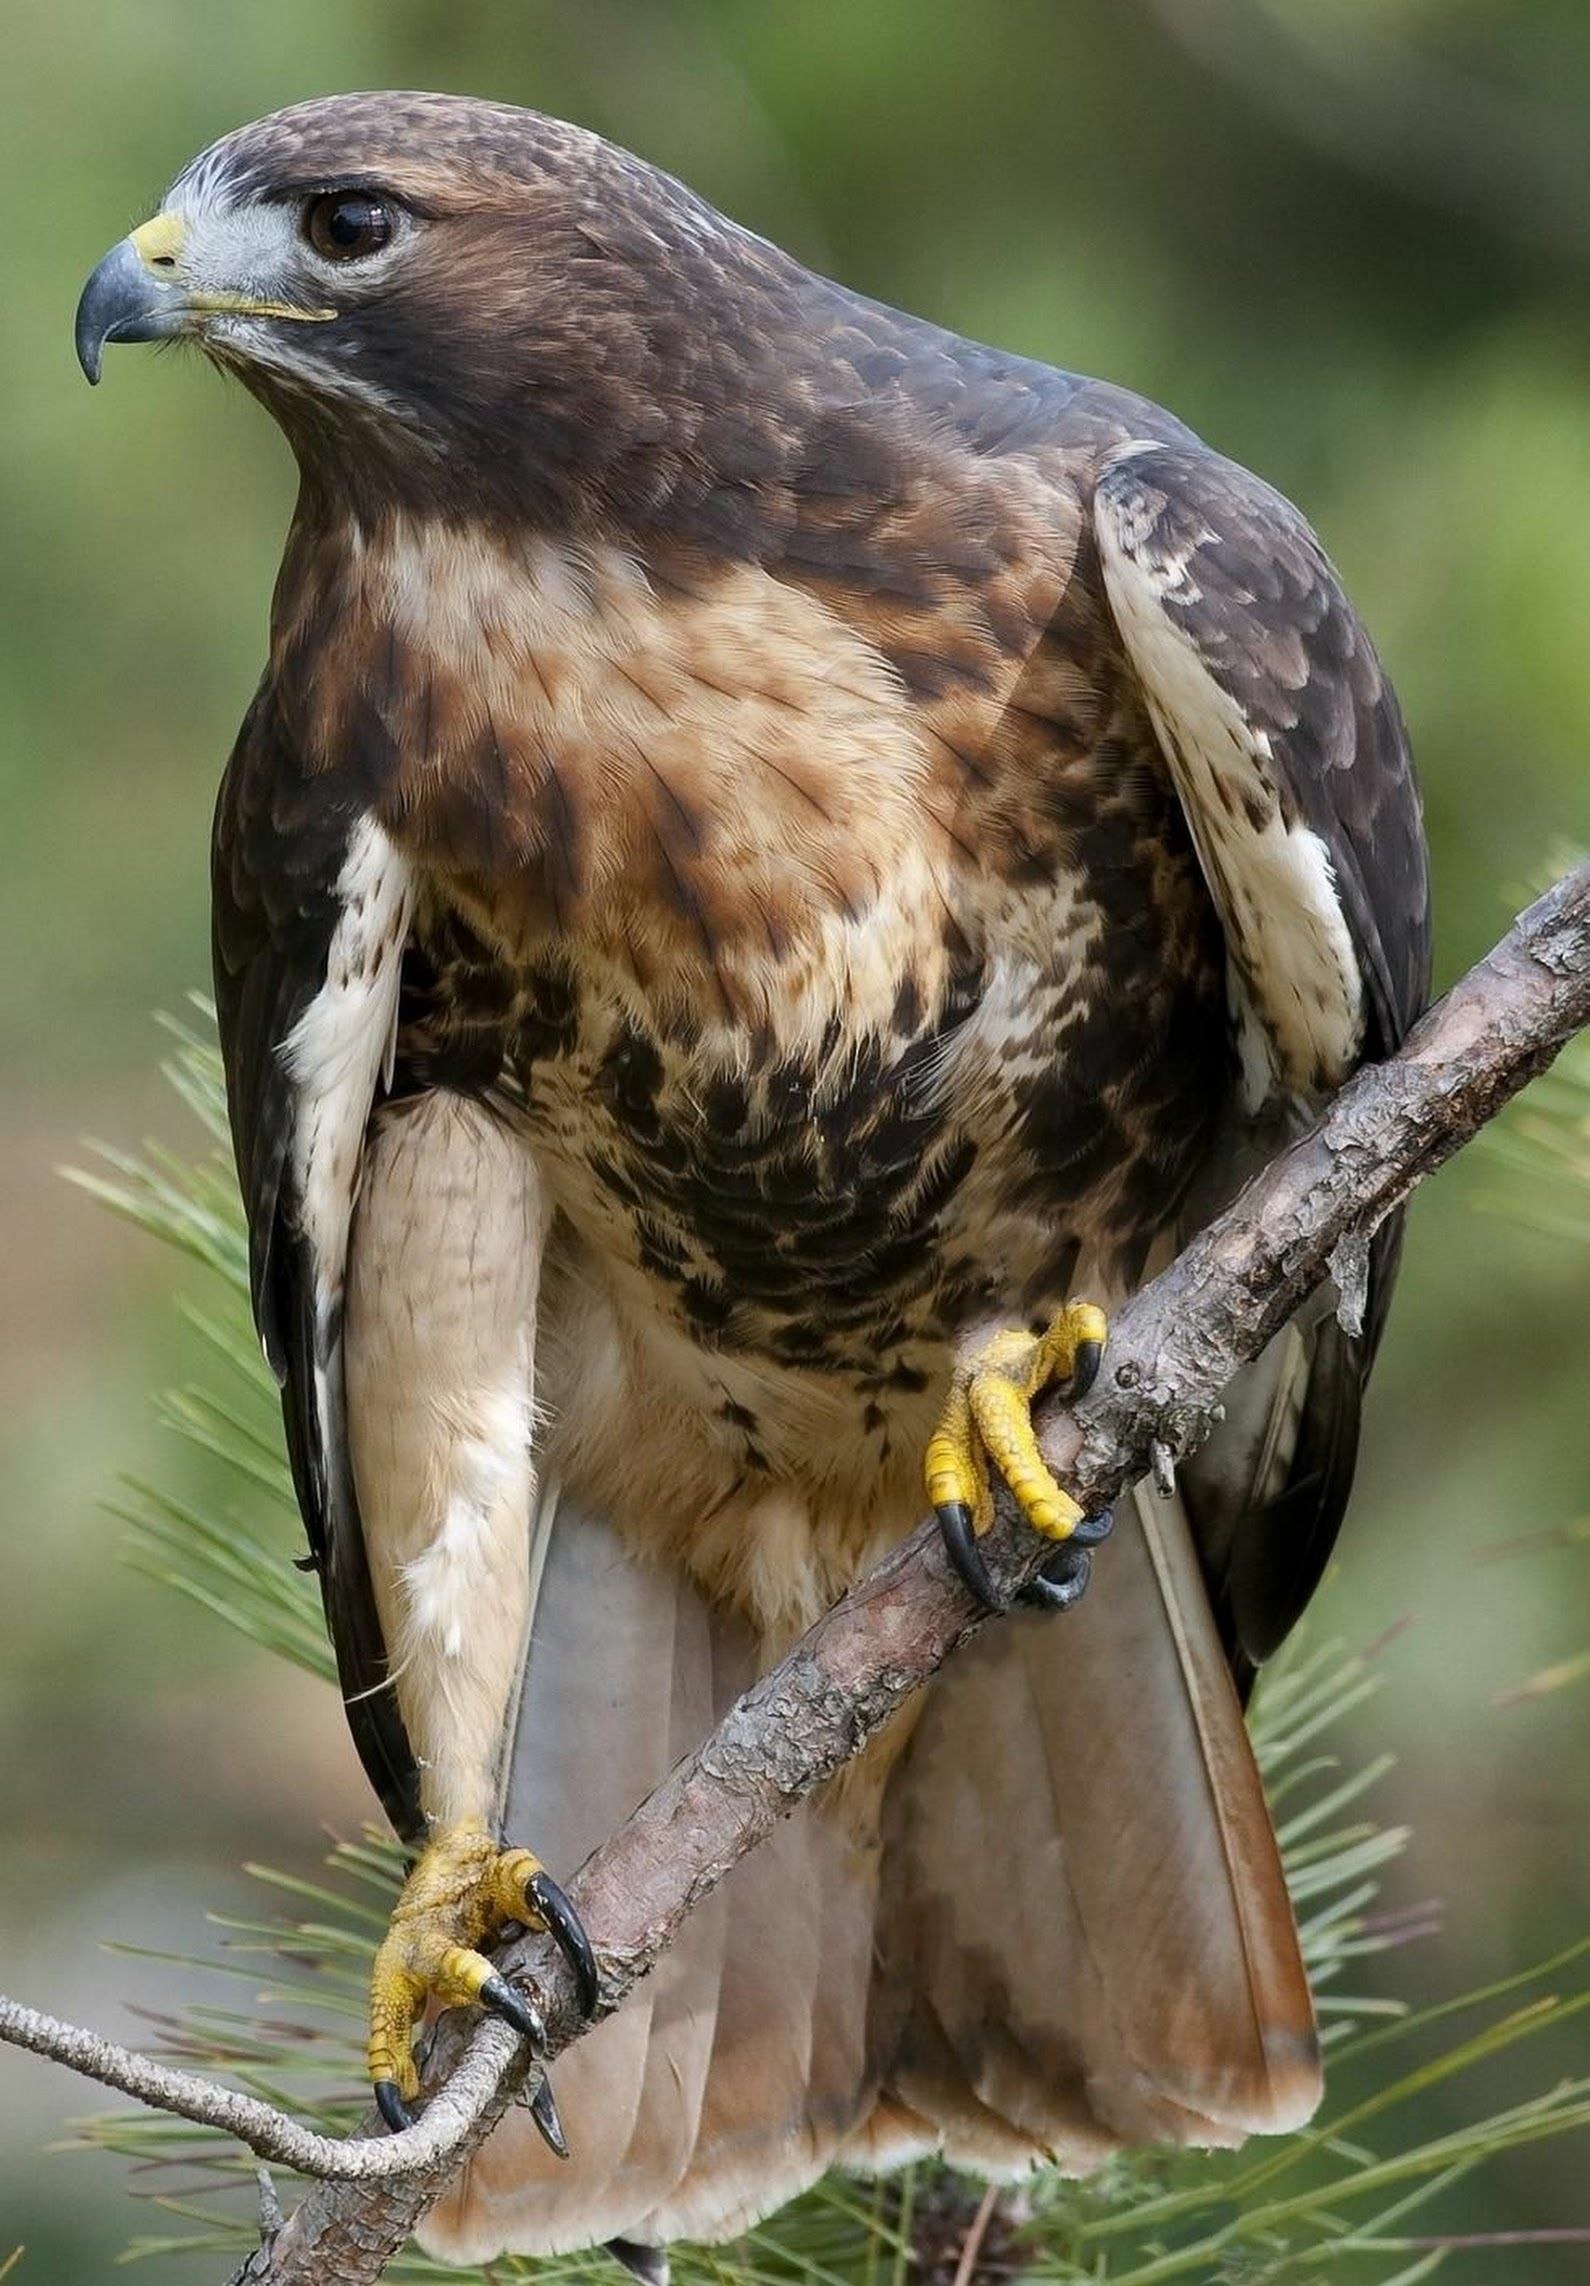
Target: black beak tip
[89,354]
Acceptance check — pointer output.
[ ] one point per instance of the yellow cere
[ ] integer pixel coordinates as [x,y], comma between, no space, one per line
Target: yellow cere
[158,242]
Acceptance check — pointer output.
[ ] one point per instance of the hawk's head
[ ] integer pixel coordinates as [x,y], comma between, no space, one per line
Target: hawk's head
[450,295]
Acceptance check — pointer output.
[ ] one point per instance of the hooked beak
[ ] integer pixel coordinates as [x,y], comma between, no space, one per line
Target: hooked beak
[134,295]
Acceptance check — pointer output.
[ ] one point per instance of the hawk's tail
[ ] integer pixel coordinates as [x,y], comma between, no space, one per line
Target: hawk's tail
[1084,1916]
[1083,1937]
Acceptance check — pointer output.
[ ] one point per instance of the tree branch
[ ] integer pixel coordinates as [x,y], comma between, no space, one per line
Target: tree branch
[269,2133]
[1173,1349]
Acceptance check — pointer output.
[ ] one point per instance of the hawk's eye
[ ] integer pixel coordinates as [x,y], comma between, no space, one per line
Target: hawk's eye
[347,226]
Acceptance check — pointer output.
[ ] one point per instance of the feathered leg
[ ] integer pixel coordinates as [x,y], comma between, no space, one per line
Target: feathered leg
[439,1361]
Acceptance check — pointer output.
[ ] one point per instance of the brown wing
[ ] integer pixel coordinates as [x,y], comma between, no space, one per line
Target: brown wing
[1288,750]
[280,852]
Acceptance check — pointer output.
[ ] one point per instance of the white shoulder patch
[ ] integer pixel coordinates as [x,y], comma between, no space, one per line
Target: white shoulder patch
[1297,992]
[337,1050]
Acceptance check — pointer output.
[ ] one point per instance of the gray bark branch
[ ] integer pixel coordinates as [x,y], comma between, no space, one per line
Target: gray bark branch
[1173,1349]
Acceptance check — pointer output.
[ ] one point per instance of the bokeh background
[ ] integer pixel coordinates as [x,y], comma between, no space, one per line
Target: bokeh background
[1349,240]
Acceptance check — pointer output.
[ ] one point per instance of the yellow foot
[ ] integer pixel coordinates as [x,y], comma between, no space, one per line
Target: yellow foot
[987,1424]
[461,1895]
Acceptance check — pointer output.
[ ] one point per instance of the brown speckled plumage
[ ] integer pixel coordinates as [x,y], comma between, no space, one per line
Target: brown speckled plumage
[889,827]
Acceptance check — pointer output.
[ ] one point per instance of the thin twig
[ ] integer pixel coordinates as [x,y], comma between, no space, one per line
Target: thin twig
[1173,1349]
[972,2244]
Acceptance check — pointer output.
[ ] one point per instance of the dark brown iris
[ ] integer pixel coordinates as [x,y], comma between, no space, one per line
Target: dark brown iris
[347,226]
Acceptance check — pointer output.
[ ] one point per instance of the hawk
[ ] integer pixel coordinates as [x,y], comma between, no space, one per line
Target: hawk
[781,860]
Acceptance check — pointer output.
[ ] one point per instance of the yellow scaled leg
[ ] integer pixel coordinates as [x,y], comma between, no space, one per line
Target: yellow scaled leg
[460,1896]
[986,1426]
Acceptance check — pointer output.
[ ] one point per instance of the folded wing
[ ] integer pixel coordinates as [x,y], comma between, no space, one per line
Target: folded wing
[311,911]
[1286,745]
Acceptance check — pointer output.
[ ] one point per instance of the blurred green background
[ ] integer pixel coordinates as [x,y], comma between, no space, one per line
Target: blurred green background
[1349,240]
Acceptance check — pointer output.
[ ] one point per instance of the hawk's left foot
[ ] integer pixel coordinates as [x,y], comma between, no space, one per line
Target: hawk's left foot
[987,1424]
[461,1895]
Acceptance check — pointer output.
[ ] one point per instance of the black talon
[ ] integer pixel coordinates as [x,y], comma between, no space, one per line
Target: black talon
[564,1925]
[1063,1580]
[389,2103]
[647,2263]
[1092,1530]
[1084,1370]
[544,2111]
[960,1545]
[500,1997]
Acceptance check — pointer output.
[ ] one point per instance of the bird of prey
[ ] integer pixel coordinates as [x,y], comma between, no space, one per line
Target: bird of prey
[781,860]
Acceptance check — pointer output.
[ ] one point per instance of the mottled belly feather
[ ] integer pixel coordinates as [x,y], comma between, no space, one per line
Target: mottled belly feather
[848,973]
[775,1244]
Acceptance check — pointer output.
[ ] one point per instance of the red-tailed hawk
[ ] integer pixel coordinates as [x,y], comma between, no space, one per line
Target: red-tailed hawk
[781,859]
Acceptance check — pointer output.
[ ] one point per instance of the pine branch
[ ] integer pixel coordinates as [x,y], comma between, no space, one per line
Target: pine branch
[1173,1349]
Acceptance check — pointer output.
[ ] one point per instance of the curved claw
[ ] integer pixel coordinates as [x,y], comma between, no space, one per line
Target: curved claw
[390,2104]
[1093,1529]
[960,1545]
[1084,1371]
[1063,1581]
[544,2111]
[499,1996]
[647,2263]
[551,1907]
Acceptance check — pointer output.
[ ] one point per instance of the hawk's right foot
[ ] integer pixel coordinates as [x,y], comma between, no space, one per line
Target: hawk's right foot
[461,1895]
